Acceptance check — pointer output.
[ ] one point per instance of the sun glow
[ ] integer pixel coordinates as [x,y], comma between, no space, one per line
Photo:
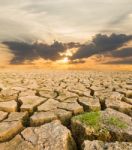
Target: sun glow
[65,60]
[69,52]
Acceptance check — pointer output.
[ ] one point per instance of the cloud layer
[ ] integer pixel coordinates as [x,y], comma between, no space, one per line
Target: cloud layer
[88,23]
[63,20]
[103,43]
[28,52]
[102,46]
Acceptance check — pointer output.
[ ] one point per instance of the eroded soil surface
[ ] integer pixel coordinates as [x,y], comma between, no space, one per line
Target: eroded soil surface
[65,110]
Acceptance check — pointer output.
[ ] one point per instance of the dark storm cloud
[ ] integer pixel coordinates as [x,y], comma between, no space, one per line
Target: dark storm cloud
[121,62]
[25,51]
[101,44]
[125,52]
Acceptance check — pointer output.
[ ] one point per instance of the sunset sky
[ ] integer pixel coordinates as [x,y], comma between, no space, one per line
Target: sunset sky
[66,34]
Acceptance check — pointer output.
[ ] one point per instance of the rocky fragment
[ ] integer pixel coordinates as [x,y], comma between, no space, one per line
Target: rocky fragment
[99,145]
[12,125]
[17,143]
[3,115]
[92,145]
[50,104]
[63,115]
[63,95]
[30,103]
[40,118]
[74,107]
[127,100]
[108,125]
[84,92]
[27,93]
[119,105]
[90,104]
[8,94]
[8,106]
[15,116]
[95,105]
[129,93]
[51,136]
[47,93]
[54,136]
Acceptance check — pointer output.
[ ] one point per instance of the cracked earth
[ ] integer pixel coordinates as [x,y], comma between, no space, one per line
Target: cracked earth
[65,110]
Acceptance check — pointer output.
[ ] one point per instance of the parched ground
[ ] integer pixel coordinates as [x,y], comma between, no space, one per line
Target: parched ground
[65,110]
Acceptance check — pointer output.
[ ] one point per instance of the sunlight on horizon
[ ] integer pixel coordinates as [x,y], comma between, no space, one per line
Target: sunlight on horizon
[65,60]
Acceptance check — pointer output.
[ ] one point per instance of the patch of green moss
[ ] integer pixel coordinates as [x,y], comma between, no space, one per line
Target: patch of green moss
[116,122]
[91,119]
